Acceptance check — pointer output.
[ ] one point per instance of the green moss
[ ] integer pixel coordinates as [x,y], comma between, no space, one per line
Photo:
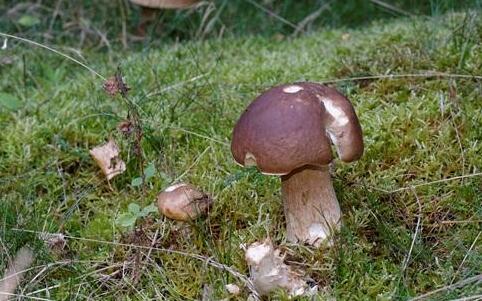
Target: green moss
[417,130]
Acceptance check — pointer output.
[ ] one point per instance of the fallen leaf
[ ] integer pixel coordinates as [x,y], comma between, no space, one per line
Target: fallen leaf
[269,272]
[107,157]
[15,272]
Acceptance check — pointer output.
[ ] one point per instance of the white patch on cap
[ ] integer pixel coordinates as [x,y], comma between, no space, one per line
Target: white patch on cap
[174,187]
[340,117]
[292,89]
[249,159]
[332,137]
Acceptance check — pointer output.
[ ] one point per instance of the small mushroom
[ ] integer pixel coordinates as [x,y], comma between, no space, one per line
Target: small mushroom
[149,8]
[288,131]
[165,3]
[183,202]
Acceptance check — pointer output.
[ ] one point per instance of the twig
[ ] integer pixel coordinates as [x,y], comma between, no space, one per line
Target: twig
[392,7]
[54,15]
[176,85]
[469,298]
[392,76]
[47,289]
[143,266]
[417,230]
[199,135]
[269,12]
[48,265]
[465,257]
[54,51]
[192,165]
[438,224]
[477,174]
[22,296]
[311,17]
[61,175]
[477,278]
[124,23]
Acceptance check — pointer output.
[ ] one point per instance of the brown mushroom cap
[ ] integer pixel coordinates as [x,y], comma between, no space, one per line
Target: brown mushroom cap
[183,202]
[165,3]
[290,126]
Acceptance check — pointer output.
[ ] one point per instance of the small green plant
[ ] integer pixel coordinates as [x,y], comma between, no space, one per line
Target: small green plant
[134,212]
[28,21]
[149,172]
[9,101]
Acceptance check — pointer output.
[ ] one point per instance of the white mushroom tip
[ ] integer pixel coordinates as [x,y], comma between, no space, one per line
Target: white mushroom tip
[174,187]
[292,89]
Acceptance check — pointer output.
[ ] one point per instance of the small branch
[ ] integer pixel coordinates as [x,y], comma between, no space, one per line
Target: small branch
[477,279]
[269,12]
[176,85]
[430,183]
[417,230]
[392,8]
[394,76]
[465,257]
[311,17]
[54,51]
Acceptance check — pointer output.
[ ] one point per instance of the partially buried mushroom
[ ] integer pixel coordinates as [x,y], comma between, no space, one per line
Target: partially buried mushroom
[288,131]
[183,202]
[165,3]
[149,8]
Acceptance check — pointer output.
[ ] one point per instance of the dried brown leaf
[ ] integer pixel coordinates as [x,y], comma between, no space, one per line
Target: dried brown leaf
[108,159]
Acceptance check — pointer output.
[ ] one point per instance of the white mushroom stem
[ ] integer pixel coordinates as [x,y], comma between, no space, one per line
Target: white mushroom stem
[311,209]
[268,272]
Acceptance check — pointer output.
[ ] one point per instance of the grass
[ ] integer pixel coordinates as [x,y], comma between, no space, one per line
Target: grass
[417,130]
[89,24]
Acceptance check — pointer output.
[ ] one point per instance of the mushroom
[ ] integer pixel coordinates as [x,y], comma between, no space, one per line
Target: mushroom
[165,3]
[286,131]
[183,202]
[149,8]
